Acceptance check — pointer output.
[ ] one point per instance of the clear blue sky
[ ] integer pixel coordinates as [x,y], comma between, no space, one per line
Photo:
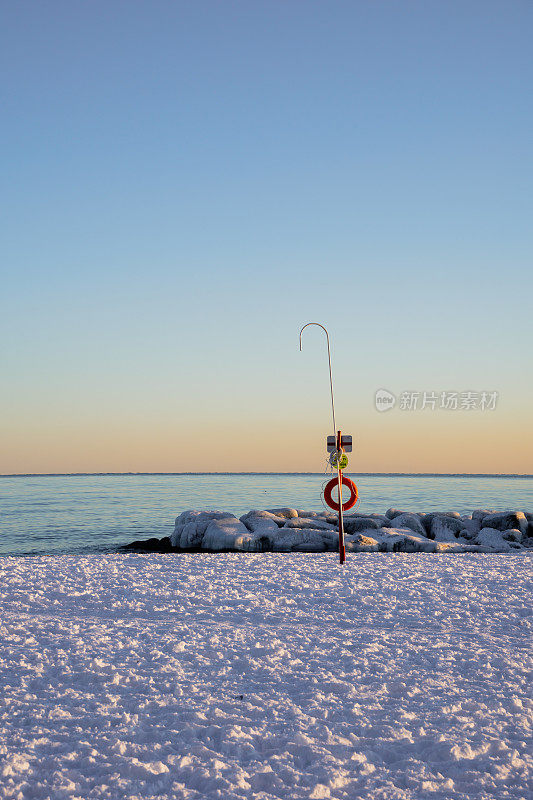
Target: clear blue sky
[185,184]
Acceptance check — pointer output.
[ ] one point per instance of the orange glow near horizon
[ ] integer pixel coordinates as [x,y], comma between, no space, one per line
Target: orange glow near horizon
[456,443]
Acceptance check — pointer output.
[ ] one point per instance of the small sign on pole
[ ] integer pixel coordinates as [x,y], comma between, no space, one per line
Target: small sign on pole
[346,443]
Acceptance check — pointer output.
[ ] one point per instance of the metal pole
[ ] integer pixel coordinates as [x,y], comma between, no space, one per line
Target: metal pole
[329,362]
[342,553]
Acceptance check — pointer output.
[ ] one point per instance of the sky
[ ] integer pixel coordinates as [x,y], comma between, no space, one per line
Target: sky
[186,184]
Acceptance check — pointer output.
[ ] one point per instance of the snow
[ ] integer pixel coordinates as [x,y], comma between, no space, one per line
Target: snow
[289,529]
[265,676]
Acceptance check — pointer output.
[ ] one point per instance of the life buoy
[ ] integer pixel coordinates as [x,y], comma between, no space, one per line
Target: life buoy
[333,484]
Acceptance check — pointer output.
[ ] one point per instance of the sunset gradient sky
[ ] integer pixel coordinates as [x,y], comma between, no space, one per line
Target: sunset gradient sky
[187,183]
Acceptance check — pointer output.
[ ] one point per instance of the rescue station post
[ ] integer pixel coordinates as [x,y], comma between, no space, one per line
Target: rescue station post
[337,445]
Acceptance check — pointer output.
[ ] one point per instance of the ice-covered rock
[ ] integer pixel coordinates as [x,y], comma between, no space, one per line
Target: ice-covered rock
[360,544]
[411,521]
[427,519]
[391,513]
[355,524]
[286,530]
[504,520]
[229,534]
[287,513]
[513,535]
[262,521]
[310,541]
[457,546]
[381,518]
[313,523]
[404,540]
[298,539]
[330,539]
[446,529]
[491,540]
[191,526]
[312,514]
[470,527]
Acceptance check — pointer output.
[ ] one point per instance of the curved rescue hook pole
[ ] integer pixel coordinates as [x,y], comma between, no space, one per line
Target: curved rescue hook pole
[329,362]
[336,438]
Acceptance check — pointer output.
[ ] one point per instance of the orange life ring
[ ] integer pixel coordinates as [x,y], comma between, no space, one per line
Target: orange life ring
[333,484]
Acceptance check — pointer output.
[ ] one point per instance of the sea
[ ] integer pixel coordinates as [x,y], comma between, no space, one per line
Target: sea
[58,514]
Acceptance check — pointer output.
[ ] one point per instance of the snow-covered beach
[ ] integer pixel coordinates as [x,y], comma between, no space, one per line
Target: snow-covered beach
[400,676]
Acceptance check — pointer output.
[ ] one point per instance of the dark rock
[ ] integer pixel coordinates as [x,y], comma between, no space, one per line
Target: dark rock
[471,527]
[152,545]
[428,518]
[444,528]
[513,535]
[381,518]
[139,544]
[506,520]
[356,524]
[264,544]
[390,513]
[479,513]
[165,545]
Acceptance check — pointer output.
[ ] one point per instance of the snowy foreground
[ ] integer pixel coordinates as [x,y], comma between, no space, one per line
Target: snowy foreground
[290,529]
[265,676]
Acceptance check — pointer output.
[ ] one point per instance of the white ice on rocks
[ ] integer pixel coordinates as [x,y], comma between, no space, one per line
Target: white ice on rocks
[410,521]
[262,521]
[268,676]
[315,524]
[228,533]
[442,531]
[193,525]
[288,529]
[492,539]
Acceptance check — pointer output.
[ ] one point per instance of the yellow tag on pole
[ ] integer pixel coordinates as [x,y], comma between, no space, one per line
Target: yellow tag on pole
[339,460]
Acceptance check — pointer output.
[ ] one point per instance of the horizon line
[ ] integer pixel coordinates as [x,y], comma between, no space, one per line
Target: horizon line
[362,474]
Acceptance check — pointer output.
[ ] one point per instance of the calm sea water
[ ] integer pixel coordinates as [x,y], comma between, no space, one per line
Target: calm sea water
[88,513]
